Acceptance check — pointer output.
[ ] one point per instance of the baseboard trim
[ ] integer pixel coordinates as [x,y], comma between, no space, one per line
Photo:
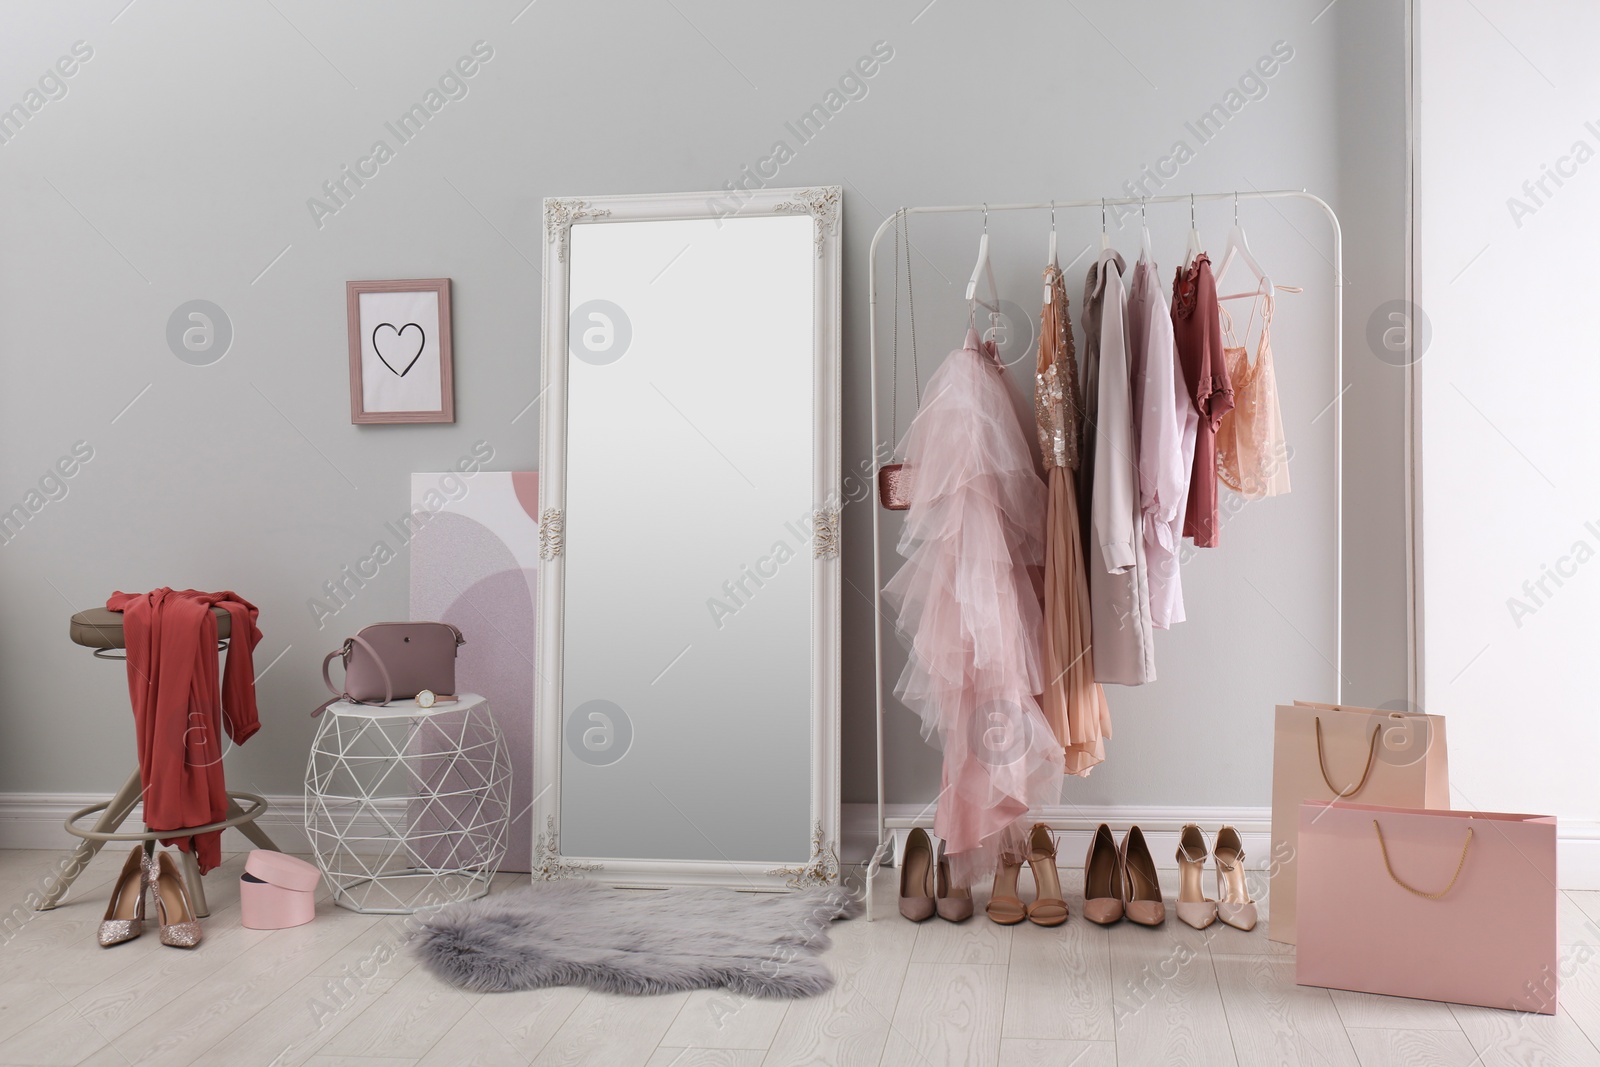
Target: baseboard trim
[1577,843]
[36,820]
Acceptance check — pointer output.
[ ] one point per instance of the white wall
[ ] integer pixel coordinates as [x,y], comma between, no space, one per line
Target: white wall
[1511,498]
[179,163]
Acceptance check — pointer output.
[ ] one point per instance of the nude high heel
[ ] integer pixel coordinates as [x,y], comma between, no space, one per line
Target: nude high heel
[1005,906]
[952,902]
[179,926]
[1234,905]
[916,877]
[124,919]
[1102,879]
[1141,890]
[1194,907]
[1050,908]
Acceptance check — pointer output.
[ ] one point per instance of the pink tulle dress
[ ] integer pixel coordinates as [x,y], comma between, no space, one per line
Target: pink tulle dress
[968,603]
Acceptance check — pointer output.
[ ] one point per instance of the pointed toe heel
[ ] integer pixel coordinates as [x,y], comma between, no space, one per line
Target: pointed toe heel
[1234,905]
[1102,879]
[1142,890]
[916,877]
[952,902]
[1194,907]
[124,918]
[180,927]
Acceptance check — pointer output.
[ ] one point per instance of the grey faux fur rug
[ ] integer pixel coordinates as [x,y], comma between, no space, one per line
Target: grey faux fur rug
[637,941]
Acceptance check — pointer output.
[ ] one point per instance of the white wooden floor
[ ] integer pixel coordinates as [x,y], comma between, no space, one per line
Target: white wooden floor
[344,990]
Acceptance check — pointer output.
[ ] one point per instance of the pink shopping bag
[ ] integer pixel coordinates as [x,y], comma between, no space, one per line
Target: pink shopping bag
[1457,906]
[1363,755]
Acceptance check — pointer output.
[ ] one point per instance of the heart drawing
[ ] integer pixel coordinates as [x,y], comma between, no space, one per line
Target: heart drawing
[397,344]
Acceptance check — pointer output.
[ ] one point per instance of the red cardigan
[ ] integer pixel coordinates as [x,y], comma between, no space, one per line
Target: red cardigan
[178,709]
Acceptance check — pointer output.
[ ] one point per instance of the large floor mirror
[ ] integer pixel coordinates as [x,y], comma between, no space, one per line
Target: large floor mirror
[689,536]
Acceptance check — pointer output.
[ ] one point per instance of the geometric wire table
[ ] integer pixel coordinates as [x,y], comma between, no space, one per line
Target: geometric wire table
[407,807]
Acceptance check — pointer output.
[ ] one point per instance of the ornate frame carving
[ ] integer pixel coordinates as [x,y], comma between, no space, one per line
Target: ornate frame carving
[823,870]
[825,533]
[552,533]
[559,215]
[822,205]
[548,866]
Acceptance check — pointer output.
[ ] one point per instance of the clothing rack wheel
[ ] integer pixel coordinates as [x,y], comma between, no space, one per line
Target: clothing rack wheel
[886,841]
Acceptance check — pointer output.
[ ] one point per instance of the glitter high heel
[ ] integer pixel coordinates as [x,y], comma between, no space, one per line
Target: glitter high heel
[179,926]
[124,918]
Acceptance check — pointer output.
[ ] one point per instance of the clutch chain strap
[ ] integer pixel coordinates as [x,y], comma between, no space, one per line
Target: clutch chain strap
[1384,848]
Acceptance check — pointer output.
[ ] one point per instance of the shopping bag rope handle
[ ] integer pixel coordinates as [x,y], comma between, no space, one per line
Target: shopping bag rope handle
[1322,763]
[1413,889]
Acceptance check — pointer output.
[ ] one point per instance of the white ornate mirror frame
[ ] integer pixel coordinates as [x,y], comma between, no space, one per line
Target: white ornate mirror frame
[821,865]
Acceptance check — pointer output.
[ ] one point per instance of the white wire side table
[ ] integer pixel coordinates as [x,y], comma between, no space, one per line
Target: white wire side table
[407,807]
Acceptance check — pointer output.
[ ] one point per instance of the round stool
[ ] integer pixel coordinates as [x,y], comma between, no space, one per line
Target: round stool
[407,807]
[101,630]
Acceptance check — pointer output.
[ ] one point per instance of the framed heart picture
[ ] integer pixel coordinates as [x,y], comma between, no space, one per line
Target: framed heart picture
[400,360]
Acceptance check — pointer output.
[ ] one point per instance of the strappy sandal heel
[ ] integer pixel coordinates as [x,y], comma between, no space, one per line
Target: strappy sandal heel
[1050,907]
[1005,907]
[1234,905]
[1194,907]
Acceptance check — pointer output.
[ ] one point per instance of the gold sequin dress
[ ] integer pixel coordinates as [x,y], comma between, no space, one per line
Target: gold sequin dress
[1073,702]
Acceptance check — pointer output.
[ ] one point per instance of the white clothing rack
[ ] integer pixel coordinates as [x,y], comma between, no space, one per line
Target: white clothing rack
[1052,206]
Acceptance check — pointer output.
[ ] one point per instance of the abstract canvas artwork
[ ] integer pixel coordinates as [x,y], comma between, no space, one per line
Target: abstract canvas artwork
[475,565]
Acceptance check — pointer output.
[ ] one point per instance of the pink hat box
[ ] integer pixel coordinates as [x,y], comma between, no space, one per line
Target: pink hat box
[277,891]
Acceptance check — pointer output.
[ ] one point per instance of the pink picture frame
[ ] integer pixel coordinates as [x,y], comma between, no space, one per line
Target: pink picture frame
[401,360]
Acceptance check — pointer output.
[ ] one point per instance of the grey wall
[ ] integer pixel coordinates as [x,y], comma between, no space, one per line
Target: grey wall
[179,162]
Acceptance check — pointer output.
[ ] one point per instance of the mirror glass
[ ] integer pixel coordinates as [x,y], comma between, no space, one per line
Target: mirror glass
[689,573]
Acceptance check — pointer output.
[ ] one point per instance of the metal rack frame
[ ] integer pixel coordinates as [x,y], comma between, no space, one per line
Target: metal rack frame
[883,827]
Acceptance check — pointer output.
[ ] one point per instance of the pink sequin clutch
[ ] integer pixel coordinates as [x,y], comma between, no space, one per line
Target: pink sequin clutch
[894,486]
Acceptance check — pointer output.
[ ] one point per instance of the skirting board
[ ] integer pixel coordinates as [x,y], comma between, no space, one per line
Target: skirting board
[1577,843]
[34,820]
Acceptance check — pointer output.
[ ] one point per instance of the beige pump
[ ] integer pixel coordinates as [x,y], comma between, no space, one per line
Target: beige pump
[953,902]
[1194,907]
[1142,891]
[1102,879]
[1234,905]
[916,877]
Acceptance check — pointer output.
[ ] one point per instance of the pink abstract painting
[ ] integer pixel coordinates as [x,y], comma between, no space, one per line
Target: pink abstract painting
[475,564]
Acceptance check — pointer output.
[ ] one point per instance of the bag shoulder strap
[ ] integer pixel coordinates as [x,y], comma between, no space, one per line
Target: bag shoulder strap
[344,651]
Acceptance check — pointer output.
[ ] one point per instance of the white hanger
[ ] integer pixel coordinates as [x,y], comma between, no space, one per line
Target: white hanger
[1052,260]
[1105,238]
[1196,246]
[1239,248]
[985,269]
[1144,233]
